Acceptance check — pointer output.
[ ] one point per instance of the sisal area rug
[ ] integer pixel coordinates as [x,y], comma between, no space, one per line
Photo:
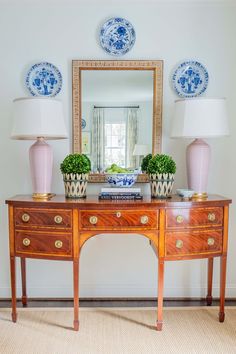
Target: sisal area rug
[118,331]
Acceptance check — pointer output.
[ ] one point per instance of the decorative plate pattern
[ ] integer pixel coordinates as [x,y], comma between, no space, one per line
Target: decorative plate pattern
[190,79]
[117,36]
[83,123]
[44,79]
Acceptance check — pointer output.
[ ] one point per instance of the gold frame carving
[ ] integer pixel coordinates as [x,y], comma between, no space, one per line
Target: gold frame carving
[155,65]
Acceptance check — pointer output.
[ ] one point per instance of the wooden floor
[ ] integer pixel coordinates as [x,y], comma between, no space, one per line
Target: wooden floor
[115,302]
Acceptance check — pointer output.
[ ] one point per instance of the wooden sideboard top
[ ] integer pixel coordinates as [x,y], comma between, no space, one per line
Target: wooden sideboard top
[92,200]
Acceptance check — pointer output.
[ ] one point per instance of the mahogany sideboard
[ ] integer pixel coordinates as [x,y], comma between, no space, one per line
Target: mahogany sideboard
[178,229]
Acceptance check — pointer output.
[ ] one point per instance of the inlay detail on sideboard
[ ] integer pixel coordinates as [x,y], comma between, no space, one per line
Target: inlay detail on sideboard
[177,229]
[197,217]
[193,242]
[29,243]
[36,217]
[111,220]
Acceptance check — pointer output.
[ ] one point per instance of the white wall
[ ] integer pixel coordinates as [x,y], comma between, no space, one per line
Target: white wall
[113,265]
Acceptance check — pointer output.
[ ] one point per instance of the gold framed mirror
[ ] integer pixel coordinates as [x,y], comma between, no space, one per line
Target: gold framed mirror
[122,89]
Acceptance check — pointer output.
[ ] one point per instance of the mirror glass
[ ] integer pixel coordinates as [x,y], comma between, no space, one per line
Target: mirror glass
[117,117]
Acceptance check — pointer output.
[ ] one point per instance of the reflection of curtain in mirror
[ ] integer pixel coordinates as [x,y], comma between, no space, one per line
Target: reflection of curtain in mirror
[98,139]
[132,134]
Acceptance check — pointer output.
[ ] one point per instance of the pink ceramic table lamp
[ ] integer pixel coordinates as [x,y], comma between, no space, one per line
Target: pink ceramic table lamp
[42,119]
[199,118]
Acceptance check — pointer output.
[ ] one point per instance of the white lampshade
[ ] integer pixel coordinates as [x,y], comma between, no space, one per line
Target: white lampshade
[199,118]
[38,117]
[140,150]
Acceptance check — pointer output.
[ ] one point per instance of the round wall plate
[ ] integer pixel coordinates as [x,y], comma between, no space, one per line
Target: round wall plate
[117,36]
[190,79]
[83,123]
[44,79]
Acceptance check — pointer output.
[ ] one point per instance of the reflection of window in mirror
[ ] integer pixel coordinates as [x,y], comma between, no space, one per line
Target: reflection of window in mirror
[115,138]
[118,109]
[115,133]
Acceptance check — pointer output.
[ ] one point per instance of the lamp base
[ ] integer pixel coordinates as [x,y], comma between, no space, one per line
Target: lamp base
[198,159]
[43,196]
[200,196]
[41,159]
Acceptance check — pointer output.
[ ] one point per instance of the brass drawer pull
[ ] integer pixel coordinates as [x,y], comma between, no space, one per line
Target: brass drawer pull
[179,219]
[179,244]
[118,214]
[93,220]
[211,216]
[58,219]
[26,242]
[210,241]
[144,219]
[25,217]
[58,244]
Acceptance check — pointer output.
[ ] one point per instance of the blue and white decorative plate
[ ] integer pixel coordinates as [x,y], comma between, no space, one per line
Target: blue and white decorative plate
[44,79]
[190,79]
[83,123]
[117,36]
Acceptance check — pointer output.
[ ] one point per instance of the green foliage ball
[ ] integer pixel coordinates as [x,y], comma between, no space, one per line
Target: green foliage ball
[161,163]
[75,163]
[145,162]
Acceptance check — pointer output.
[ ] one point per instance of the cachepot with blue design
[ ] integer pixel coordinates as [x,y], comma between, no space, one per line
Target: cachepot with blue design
[161,185]
[75,184]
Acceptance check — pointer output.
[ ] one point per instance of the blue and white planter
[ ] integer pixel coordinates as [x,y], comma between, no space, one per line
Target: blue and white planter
[75,185]
[161,185]
[121,179]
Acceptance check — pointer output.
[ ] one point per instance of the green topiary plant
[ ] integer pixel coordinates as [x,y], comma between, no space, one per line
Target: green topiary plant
[145,162]
[76,163]
[75,169]
[89,162]
[161,170]
[161,163]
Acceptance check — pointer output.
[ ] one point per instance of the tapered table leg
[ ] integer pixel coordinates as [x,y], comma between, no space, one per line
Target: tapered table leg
[209,281]
[23,280]
[13,287]
[76,293]
[160,295]
[223,261]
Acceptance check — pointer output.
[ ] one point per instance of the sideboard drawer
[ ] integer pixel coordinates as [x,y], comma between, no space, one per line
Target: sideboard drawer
[53,218]
[119,219]
[195,217]
[192,242]
[34,242]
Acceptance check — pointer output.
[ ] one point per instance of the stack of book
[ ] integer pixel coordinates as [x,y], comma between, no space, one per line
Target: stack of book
[120,193]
